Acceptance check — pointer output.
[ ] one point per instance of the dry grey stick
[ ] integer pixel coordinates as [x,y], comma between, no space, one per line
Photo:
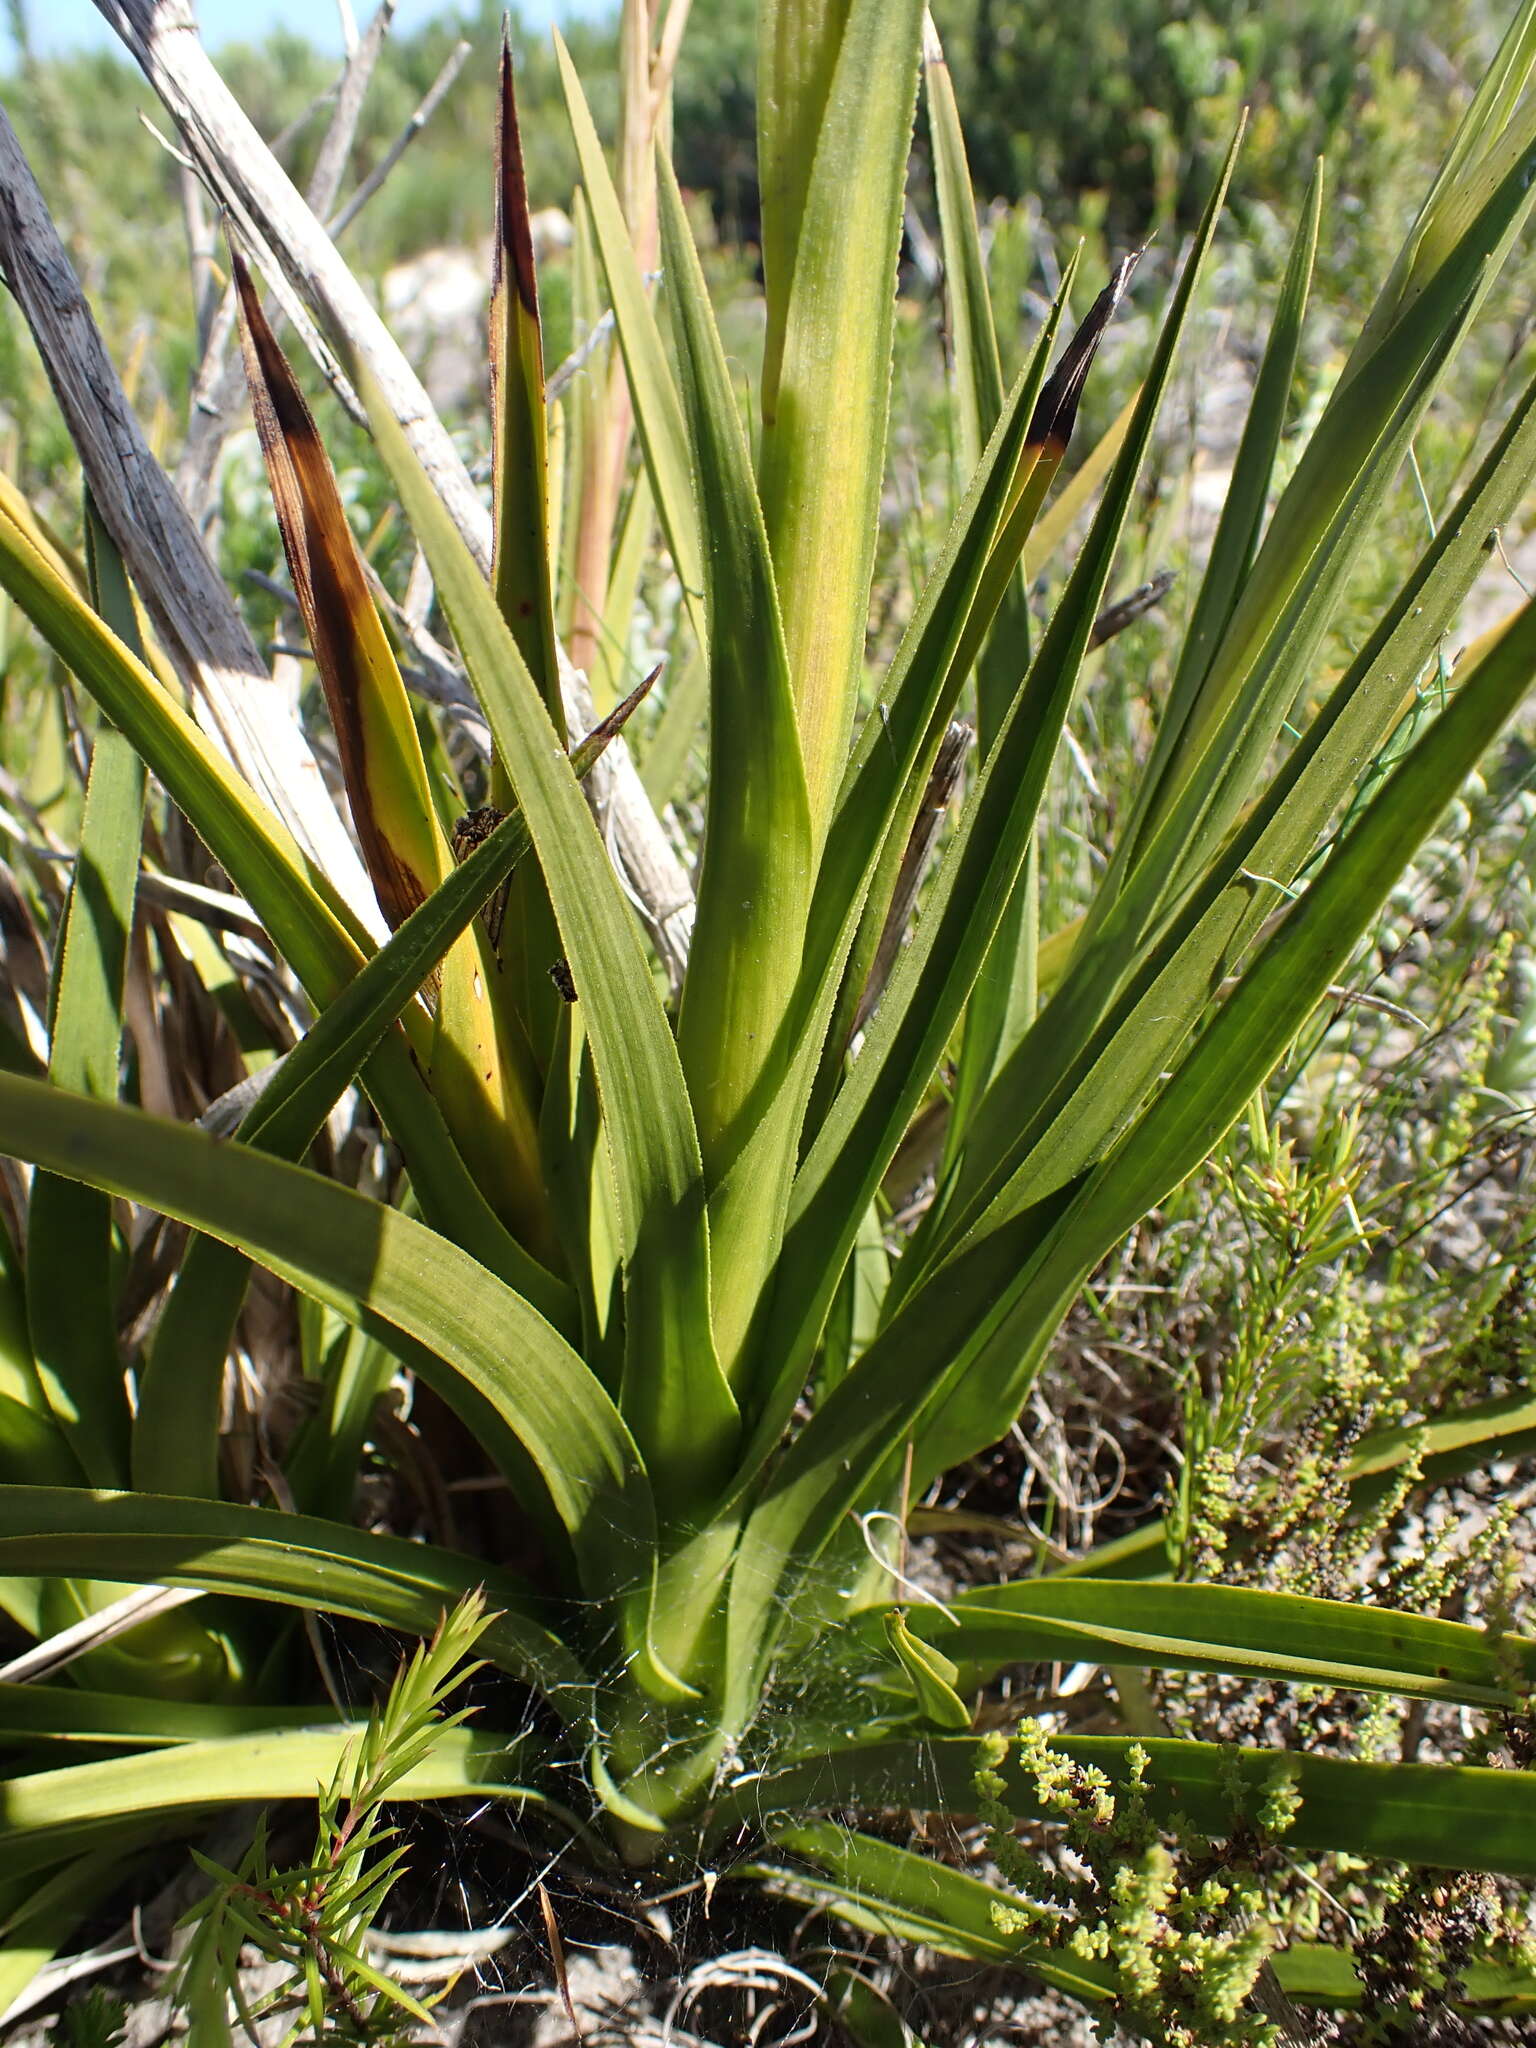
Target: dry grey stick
[212,396]
[431,100]
[1127,610]
[193,615]
[200,253]
[559,381]
[162,36]
[331,163]
[419,590]
[943,781]
[219,388]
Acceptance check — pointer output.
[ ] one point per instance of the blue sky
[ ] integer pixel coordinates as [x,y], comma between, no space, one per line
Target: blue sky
[75,24]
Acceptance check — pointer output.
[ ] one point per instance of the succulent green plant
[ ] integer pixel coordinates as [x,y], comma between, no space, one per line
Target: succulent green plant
[631,1226]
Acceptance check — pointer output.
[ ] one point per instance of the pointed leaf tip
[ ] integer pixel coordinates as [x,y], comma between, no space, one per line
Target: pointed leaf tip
[930,1673]
[1056,408]
[590,750]
[521,571]
[514,233]
[363,691]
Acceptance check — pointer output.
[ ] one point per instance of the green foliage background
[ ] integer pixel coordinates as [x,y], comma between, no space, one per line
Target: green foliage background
[1126,105]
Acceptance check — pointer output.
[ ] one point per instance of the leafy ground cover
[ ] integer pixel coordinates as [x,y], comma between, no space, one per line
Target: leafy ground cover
[913,1253]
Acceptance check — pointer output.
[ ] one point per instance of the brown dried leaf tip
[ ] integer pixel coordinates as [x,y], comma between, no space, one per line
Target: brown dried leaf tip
[1056,408]
[586,754]
[514,234]
[345,636]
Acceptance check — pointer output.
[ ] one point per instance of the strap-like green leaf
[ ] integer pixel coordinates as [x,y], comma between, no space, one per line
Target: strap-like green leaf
[754,883]
[481,1075]
[316,934]
[1237,533]
[521,572]
[930,1673]
[522,566]
[615,662]
[932,980]
[822,459]
[675,1395]
[1494,129]
[797,48]
[176,1429]
[1003,999]
[1076,494]
[1207,1092]
[257,1553]
[682,718]
[882,1889]
[66,1715]
[922,687]
[52,1814]
[981,1324]
[908,1897]
[887,1890]
[1037,1136]
[32,1446]
[979,387]
[70,1293]
[454,1322]
[49,1908]
[883,784]
[1312,1974]
[1313,540]
[376,739]
[925,679]
[1245,1630]
[1022,755]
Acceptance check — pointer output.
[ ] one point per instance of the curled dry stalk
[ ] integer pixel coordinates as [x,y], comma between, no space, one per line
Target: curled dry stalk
[641,1259]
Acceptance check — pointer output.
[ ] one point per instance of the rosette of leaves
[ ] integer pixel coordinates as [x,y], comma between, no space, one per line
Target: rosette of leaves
[634,1227]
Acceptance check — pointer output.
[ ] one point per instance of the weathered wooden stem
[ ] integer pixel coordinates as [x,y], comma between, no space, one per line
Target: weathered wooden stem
[162,37]
[233,697]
